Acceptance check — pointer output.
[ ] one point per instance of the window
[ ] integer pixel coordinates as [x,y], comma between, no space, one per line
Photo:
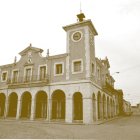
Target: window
[77,66]
[92,70]
[15,76]
[28,75]
[58,69]
[42,72]
[98,72]
[4,76]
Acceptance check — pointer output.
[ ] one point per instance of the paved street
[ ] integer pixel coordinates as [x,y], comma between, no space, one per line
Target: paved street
[126,128]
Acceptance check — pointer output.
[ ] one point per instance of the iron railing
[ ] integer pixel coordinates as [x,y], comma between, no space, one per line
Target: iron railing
[28,79]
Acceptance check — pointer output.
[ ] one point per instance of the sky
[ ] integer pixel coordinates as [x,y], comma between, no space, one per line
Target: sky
[40,22]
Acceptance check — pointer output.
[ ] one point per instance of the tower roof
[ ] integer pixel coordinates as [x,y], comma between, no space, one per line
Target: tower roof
[82,23]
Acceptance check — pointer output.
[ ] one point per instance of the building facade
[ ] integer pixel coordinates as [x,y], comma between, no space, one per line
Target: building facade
[71,87]
[127,107]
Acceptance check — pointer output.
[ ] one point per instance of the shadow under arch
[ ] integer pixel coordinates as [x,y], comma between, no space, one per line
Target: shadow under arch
[111,111]
[94,106]
[41,105]
[99,101]
[77,106]
[13,98]
[108,108]
[58,105]
[2,104]
[26,105]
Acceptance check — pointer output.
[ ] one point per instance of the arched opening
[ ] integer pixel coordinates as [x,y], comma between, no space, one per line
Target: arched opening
[2,104]
[99,106]
[104,106]
[94,106]
[58,105]
[77,106]
[108,108]
[26,105]
[12,105]
[111,108]
[41,105]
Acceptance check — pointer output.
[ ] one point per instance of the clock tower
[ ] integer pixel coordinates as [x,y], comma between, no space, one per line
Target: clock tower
[80,47]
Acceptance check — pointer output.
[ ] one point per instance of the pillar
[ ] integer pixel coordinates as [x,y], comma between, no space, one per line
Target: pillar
[69,110]
[49,110]
[18,108]
[87,111]
[32,117]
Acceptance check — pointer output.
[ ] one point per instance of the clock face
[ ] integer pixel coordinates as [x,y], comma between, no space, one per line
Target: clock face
[77,36]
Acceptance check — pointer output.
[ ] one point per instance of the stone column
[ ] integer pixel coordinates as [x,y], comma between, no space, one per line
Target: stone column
[33,106]
[69,110]
[87,111]
[49,110]
[18,109]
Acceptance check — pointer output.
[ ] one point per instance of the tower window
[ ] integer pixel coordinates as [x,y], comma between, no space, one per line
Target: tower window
[77,66]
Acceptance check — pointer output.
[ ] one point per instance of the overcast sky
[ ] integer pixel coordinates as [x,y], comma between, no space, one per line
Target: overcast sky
[40,22]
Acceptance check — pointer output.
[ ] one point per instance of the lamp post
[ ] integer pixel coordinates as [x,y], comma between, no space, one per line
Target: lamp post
[117,72]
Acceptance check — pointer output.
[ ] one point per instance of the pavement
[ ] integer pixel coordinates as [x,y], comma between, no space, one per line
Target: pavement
[123,128]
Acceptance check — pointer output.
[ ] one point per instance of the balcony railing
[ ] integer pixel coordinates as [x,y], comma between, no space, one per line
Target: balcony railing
[26,80]
[108,86]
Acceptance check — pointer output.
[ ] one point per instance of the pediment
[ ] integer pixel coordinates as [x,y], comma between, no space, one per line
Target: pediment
[30,48]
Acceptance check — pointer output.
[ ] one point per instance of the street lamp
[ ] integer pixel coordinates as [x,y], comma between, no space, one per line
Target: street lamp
[115,73]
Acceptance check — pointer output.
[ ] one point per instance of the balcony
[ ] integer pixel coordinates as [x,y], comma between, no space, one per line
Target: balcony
[108,87]
[28,81]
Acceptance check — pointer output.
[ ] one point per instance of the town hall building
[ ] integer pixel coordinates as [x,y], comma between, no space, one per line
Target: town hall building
[72,87]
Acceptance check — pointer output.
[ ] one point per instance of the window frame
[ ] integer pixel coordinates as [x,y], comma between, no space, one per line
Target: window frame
[92,72]
[2,76]
[39,70]
[13,74]
[55,64]
[98,73]
[77,72]
[25,68]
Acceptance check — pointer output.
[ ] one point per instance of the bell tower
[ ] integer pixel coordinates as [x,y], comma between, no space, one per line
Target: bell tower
[80,46]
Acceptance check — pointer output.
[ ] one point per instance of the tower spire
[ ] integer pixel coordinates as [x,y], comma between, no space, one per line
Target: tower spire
[80,16]
[80,7]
